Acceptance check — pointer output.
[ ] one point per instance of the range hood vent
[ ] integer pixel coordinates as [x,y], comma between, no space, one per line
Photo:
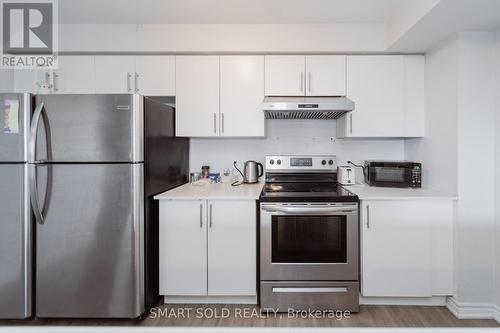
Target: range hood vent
[306,107]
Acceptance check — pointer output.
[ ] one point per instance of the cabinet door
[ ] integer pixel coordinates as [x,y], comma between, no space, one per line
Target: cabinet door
[376,85]
[414,96]
[241,96]
[114,74]
[74,75]
[396,249]
[285,75]
[326,75]
[28,80]
[183,248]
[155,75]
[232,253]
[6,80]
[197,96]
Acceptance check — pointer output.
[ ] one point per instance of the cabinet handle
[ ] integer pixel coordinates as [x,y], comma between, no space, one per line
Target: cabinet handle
[215,123]
[54,81]
[309,84]
[128,81]
[350,123]
[367,216]
[211,218]
[47,78]
[222,123]
[301,81]
[201,215]
[136,82]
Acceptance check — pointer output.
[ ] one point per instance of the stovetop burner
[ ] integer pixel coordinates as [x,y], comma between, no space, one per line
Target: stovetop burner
[303,178]
[306,192]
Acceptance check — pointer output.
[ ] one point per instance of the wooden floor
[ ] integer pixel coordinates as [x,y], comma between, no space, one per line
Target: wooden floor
[369,316]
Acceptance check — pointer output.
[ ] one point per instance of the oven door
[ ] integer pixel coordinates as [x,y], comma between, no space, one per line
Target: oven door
[309,242]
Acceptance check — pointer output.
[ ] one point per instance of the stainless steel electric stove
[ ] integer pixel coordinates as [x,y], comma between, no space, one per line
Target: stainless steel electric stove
[309,237]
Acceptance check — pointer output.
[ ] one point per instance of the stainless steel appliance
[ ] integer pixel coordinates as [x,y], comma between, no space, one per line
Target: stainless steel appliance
[15,213]
[309,243]
[306,107]
[346,175]
[252,171]
[393,173]
[94,164]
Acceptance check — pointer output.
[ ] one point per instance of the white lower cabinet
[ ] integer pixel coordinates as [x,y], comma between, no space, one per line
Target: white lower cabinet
[406,248]
[232,252]
[183,248]
[208,248]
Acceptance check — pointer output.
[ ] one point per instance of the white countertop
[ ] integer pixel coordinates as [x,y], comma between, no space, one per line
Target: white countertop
[205,190]
[365,192]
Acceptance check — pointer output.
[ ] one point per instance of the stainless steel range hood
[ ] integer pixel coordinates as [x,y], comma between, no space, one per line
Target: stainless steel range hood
[306,107]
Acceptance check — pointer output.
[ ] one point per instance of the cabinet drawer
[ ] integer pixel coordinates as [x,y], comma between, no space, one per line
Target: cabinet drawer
[311,296]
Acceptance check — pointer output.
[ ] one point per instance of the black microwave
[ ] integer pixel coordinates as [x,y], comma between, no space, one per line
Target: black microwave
[393,173]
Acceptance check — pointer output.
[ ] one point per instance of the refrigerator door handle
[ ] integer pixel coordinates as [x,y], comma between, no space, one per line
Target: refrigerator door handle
[39,112]
[35,202]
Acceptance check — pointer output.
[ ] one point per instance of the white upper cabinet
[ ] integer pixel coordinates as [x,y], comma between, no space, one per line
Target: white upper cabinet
[219,96]
[155,75]
[326,75]
[114,74]
[241,96]
[6,80]
[285,75]
[75,74]
[376,85]
[32,80]
[197,96]
[305,75]
[414,96]
[388,91]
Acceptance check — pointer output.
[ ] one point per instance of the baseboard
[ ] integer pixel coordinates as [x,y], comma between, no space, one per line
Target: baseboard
[210,299]
[497,313]
[424,301]
[473,310]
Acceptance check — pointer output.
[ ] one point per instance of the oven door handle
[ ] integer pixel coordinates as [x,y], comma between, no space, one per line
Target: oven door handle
[309,210]
[310,290]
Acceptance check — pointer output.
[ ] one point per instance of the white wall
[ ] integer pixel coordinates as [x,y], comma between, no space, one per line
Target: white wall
[476,137]
[344,37]
[438,151]
[291,137]
[459,141]
[497,177]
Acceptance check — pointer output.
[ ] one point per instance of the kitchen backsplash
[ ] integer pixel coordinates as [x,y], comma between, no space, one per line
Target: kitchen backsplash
[291,137]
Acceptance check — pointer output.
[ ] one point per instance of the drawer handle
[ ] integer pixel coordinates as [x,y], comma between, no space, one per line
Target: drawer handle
[309,290]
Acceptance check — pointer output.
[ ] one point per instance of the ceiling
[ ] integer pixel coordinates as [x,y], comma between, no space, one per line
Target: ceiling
[228,11]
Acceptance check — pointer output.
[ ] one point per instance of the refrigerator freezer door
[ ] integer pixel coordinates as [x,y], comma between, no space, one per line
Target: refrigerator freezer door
[15,243]
[92,128]
[90,257]
[14,122]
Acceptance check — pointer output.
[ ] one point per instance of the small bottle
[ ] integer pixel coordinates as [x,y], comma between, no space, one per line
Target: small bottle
[205,170]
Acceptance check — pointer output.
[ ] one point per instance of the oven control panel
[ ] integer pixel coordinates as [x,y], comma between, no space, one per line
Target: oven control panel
[304,163]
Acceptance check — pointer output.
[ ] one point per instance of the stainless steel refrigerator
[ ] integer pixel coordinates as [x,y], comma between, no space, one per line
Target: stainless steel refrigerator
[94,164]
[15,212]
